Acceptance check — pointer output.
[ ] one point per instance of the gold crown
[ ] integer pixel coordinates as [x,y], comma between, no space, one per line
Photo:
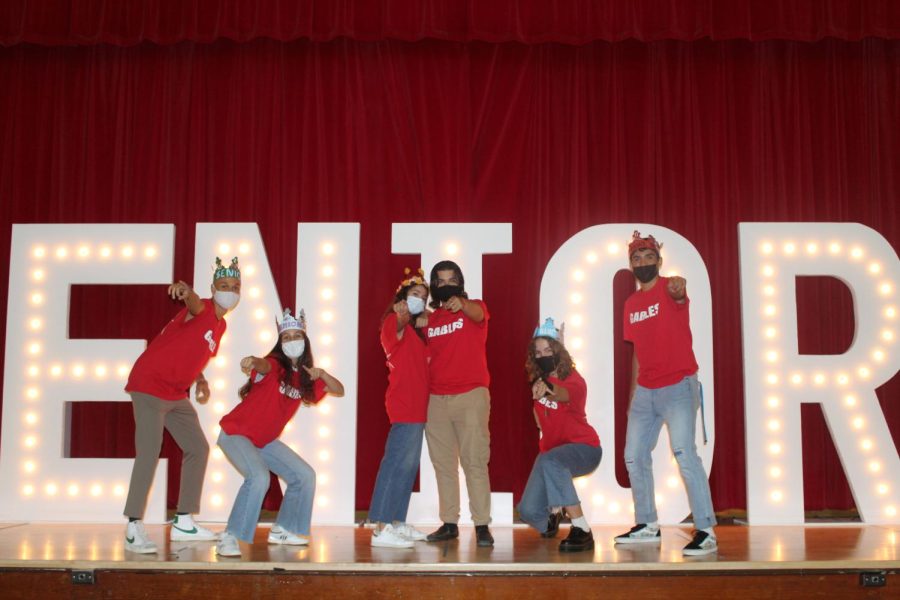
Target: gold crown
[417,279]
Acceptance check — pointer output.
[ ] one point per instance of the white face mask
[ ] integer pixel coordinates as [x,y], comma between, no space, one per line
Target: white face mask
[415,304]
[226,300]
[293,349]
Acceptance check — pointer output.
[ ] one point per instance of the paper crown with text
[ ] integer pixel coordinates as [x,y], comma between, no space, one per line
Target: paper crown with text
[232,270]
[289,322]
[643,243]
[548,330]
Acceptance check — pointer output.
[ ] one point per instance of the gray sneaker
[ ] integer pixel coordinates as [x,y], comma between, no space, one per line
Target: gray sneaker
[639,534]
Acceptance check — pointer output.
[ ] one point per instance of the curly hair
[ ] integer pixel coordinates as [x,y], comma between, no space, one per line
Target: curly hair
[563,370]
[307,394]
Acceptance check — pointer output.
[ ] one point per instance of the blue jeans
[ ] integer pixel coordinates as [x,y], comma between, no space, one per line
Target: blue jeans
[675,405]
[397,473]
[254,464]
[550,483]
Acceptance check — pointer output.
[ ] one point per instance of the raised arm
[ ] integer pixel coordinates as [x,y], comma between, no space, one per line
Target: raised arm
[184,293]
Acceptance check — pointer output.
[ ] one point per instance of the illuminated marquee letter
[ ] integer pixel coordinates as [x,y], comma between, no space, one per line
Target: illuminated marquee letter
[45,369]
[777,378]
[577,289]
[327,288]
[465,244]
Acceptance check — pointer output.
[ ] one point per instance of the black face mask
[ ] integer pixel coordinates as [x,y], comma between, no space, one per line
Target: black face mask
[547,364]
[646,273]
[445,292]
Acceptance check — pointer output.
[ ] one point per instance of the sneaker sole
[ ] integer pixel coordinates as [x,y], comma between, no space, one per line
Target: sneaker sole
[654,540]
[584,548]
[283,543]
[193,538]
[139,550]
[386,545]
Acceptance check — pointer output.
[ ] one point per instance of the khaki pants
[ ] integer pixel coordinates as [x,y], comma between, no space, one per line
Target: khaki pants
[457,434]
[151,416]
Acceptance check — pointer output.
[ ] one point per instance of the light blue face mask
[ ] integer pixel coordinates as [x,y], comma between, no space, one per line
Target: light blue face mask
[416,305]
[293,349]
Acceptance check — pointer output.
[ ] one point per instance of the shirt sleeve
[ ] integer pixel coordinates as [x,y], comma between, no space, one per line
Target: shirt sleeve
[487,315]
[389,339]
[575,385]
[274,368]
[319,389]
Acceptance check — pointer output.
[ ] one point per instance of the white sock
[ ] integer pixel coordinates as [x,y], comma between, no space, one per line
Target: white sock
[652,526]
[710,531]
[581,523]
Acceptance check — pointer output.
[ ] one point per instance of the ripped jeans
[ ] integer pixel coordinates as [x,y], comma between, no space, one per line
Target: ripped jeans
[675,405]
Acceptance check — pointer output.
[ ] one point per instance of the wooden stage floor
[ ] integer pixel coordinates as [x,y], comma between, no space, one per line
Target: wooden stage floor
[751,562]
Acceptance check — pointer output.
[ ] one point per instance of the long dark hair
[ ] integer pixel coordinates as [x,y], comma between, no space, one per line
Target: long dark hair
[401,296]
[563,370]
[287,378]
[446,265]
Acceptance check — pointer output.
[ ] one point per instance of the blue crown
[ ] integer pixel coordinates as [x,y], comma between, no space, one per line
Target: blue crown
[548,330]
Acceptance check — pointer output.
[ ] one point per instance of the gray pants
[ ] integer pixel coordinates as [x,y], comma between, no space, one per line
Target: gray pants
[151,416]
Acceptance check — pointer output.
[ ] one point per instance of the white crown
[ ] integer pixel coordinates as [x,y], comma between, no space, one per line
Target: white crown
[289,322]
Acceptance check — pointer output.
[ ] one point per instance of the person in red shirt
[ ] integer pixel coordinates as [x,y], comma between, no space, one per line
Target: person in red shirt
[158,384]
[569,446]
[278,384]
[459,404]
[664,390]
[406,401]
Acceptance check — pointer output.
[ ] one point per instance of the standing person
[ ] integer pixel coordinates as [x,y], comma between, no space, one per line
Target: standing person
[569,445]
[406,401]
[158,384]
[664,390]
[278,384]
[459,405]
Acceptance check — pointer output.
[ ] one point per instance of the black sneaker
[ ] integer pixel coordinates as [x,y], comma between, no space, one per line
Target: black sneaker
[703,543]
[578,540]
[483,536]
[552,525]
[639,534]
[447,531]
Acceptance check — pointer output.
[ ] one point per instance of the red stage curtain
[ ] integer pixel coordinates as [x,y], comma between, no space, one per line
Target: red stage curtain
[86,22]
[694,136]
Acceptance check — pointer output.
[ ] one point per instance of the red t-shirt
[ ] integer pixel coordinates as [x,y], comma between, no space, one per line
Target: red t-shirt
[174,359]
[262,415]
[660,330]
[565,422]
[458,358]
[406,399]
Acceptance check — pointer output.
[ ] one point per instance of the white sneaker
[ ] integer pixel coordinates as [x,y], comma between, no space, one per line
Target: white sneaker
[228,546]
[278,535]
[410,532]
[390,538]
[184,529]
[137,540]
[639,534]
